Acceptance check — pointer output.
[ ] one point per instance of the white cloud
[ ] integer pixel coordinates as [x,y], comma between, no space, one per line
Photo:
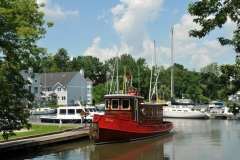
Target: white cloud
[130,19]
[196,52]
[199,60]
[55,12]
[106,53]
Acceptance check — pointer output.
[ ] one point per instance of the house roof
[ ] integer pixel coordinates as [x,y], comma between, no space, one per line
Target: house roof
[61,77]
[88,79]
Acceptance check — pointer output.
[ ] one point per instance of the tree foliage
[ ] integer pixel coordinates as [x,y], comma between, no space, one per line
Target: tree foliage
[21,26]
[221,10]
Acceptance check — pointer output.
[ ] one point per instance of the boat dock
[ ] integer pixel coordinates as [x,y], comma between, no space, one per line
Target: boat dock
[37,141]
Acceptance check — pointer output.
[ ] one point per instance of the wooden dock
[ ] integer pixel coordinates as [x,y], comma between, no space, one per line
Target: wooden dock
[41,140]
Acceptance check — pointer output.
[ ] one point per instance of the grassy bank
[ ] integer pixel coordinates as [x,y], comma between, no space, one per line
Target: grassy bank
[38,129]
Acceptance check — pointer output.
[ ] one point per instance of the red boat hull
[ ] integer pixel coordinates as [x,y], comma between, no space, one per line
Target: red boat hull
[120,128]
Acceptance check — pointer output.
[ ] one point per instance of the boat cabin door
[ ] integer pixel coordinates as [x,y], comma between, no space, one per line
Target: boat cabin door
[136,109]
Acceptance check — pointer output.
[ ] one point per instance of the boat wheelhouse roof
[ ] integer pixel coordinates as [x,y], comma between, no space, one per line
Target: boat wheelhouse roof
[123,96]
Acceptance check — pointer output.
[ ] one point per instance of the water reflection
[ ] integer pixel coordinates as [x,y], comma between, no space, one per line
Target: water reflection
[143,150]
[150,149]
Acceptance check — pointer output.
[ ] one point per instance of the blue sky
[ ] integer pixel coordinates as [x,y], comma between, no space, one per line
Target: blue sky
[103,28]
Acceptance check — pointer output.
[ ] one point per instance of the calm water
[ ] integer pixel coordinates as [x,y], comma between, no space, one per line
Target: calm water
[191,140]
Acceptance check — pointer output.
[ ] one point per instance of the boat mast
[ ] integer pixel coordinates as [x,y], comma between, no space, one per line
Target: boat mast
[117,75]
[150,88]
[172,65]
[45,87]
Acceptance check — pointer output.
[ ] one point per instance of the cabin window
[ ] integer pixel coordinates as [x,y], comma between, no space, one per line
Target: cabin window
[125,104]
[115,104]
[78,111]
[151,112]
[106,104]
[71,111]
[156,111]
[62,112]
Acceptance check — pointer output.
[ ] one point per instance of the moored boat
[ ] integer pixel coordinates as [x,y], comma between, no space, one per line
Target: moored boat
[128,118]
[183,109]
[70,114]
[44,110]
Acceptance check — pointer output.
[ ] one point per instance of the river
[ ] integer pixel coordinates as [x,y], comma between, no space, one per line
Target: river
[191,139]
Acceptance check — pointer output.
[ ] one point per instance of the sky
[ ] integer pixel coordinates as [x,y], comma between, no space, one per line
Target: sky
[107,28]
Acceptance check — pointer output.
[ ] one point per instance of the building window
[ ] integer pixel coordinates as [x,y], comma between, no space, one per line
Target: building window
[49,89]
[125,104]
[35,90]
[30,89]
[106,104]
[114,103]
[63,98]
[59,89]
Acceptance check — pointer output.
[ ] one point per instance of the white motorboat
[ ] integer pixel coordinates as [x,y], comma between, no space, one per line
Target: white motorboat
[43,110]
[71,114]
[218,109]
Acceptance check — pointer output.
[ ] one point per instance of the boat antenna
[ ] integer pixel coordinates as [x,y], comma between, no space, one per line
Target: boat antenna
[138,80]
[172,64]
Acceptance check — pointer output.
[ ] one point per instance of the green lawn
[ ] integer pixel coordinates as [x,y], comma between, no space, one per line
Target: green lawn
[38,129]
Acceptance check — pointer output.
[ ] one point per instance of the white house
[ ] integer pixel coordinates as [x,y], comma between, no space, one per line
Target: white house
[35,86]
[64,87]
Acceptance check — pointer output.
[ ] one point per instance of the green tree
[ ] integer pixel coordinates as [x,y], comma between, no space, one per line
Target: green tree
[98,93]
[221,11]
[21,26]
[61,59]
[93,68]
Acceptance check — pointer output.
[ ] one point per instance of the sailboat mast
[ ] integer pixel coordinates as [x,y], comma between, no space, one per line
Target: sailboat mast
[150,88]
[117,75]
[172,64]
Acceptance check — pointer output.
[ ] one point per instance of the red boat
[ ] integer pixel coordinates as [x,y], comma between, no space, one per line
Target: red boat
[128,118]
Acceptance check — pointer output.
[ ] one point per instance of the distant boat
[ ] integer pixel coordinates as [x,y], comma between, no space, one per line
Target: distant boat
[216,109]
[71,114]
[101,107]
[182,110]
[43,110]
